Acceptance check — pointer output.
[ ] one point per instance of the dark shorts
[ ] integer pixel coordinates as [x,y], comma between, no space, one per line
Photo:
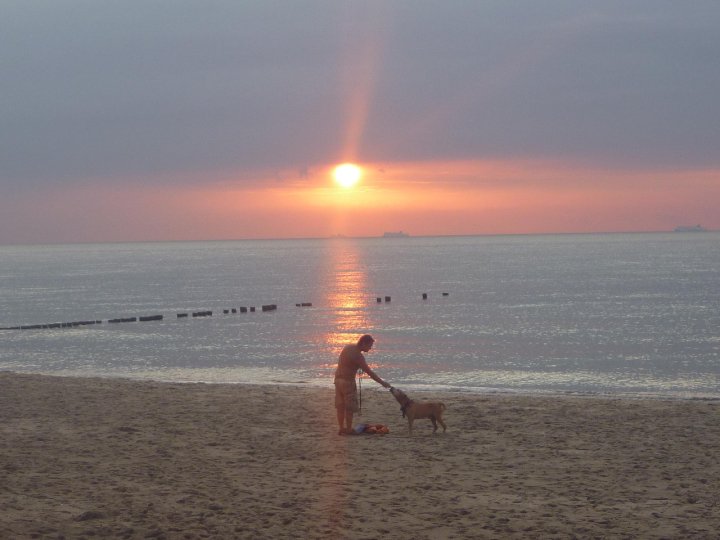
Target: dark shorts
[346,395]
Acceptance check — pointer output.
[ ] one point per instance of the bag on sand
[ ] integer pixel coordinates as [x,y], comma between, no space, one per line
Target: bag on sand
[371,429]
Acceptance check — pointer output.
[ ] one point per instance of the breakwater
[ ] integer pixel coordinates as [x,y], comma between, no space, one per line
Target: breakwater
[159,317]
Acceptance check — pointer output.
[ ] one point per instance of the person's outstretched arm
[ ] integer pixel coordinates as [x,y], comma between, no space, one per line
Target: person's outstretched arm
[372,374]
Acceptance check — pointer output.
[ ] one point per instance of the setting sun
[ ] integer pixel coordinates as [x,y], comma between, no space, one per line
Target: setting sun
[347,174]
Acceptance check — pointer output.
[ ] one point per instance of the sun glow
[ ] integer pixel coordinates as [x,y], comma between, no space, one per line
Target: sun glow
[347,174]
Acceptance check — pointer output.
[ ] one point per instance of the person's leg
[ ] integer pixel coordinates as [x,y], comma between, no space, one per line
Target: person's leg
[351,405]
[346,404]
[340,407]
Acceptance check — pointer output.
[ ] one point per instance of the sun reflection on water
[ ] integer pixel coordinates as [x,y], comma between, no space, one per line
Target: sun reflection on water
[346,294]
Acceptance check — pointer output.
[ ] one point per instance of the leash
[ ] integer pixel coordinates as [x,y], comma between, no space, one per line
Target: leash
[359,374]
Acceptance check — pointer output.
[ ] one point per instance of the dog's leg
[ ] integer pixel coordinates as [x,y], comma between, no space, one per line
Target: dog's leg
[442,423]
[410,423]
[434,423]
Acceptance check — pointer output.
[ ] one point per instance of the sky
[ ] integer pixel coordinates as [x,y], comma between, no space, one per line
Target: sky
[190,120]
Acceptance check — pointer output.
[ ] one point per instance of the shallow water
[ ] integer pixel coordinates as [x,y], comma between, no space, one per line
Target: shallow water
[619,313]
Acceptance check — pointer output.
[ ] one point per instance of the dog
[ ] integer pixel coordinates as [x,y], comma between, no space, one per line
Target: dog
[415,410]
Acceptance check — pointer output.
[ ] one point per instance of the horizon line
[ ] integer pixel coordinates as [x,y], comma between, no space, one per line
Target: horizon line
[345,237]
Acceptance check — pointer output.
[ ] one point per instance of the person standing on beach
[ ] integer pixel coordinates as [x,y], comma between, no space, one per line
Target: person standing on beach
[346,399]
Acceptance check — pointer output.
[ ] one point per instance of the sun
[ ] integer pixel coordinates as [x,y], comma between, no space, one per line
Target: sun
[347,174]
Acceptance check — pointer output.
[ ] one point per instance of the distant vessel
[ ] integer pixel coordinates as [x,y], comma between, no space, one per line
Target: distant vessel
[395,234]
[690,228]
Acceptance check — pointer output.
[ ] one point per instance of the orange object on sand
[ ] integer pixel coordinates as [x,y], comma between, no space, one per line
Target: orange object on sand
[377,429]
[371,429]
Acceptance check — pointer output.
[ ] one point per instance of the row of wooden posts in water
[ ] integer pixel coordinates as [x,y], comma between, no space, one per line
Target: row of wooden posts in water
[145,318]
[208,313]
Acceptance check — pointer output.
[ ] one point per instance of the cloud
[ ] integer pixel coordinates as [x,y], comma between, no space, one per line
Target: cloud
[241,95]
[135,87]
[626,86]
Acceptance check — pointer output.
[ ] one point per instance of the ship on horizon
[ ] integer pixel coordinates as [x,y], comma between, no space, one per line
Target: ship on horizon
[690,228]
[395,234]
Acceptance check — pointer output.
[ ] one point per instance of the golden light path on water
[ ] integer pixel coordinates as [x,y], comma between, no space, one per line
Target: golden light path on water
[346,294]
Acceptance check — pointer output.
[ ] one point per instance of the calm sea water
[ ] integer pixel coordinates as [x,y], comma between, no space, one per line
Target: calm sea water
[631,314]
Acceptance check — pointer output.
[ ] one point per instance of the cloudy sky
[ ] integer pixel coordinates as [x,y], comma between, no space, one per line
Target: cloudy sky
[176,119]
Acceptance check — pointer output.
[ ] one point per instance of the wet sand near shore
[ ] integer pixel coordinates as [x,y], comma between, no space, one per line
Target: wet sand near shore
[99,458]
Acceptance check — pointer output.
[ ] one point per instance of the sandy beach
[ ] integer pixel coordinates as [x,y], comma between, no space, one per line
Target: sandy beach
[96,458]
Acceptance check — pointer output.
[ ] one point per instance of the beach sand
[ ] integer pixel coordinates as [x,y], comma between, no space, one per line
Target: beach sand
[96,458]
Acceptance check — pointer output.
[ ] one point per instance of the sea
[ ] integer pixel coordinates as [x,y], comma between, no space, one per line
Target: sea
[631,315]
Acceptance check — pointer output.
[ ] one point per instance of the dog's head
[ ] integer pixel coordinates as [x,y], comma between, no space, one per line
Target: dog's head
[400,396]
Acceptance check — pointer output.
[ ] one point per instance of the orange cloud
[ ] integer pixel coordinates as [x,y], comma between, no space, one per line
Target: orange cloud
[469,197]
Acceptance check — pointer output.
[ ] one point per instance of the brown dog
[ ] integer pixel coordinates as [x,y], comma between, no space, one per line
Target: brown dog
[415,410]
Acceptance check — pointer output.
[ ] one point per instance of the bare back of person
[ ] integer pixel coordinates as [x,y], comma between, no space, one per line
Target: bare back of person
[351,359]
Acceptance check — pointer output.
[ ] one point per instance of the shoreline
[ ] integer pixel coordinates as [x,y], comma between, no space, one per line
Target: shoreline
[423,388]
[134,459]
